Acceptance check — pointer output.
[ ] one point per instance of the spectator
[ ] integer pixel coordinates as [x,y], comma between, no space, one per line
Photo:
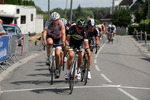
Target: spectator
[2,31]
[135,32]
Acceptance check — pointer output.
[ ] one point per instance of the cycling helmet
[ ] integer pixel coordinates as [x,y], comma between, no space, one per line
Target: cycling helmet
[64,21]
[80,23]
[55,16]
[91,22]
[109,25]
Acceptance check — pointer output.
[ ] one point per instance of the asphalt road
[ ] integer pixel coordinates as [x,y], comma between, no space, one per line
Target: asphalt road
[119,71]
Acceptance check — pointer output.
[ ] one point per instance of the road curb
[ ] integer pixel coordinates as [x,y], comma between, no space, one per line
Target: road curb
[144,50]
[10,69]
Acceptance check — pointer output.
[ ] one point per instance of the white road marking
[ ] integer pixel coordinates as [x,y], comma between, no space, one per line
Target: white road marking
[126,93]
[95,61]
[119,87]
[96,56]
[97,68]
[107,79]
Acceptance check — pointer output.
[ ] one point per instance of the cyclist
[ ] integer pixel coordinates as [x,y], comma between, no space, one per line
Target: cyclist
[76,39]
[93,37]
[108,31]
[54,33]
[100,30]
[114,32]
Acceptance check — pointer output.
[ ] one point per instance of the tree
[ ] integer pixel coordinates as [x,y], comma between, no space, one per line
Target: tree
[122,17]
[141,13]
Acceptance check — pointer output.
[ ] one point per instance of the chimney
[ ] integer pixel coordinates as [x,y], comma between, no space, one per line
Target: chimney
[1,1]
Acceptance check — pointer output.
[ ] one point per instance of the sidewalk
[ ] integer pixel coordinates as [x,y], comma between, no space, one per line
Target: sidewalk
[145,48]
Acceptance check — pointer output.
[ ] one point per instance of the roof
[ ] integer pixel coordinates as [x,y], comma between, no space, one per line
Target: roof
[126,2]
[107,16]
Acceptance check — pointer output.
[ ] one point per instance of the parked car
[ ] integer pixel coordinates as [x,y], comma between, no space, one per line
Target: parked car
[13,29]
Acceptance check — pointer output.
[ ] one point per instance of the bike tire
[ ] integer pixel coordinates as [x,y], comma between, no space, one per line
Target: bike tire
[86,68]
[72,76]
[52,69]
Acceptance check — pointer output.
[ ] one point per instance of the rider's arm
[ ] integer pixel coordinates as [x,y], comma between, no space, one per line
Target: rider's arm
[63,36]
[44,35]
[97,40]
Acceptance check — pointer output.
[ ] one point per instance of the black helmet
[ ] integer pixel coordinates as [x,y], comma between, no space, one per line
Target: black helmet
[80,23]
[91,22]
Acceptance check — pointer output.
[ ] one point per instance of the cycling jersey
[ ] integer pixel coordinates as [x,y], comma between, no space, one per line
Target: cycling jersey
[91,37]
[76,39]
[54,33]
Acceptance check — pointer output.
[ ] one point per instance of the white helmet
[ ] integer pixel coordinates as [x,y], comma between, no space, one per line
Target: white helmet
[109,25]
[63,20]
[55,16]
[91,22]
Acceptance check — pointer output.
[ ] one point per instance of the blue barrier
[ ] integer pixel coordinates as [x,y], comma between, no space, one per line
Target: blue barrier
[4,43]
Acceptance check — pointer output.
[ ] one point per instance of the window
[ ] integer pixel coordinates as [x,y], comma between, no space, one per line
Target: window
[31,17]
[18,11]
[23,19]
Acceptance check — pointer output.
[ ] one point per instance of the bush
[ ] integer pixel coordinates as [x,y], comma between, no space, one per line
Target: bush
[145,26]
[131,28]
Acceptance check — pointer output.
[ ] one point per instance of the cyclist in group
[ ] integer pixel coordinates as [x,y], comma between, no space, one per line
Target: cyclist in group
[99,27]
[112,31]
[93,38]
[108,31]
[54,33]
[76,38]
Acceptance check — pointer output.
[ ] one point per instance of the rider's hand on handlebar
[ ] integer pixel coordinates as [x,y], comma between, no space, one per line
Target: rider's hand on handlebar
[44,43]
[97,47]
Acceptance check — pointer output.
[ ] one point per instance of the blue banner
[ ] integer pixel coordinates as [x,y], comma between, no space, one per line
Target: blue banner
[4,41]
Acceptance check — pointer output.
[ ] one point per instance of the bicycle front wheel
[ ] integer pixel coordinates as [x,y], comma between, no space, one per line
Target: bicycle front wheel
[72,76]
[86,69]
[52,69]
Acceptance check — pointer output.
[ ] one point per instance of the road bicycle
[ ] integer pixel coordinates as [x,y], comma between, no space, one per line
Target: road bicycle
[73,70]
[110,38]
[52,65]
[85,67]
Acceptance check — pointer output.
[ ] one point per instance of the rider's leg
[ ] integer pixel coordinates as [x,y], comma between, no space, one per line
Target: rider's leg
[58,57]
[69,60]
[90,60]
[80,58]
[49,41]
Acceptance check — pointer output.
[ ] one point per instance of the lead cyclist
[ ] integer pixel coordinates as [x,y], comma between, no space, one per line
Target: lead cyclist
[54,33]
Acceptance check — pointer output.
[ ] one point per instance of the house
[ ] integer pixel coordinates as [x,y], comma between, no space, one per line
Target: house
[24,16]
[131,3]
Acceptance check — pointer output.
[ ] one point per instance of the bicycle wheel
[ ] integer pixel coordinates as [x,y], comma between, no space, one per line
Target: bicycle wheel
[86,69]
[72,76]
[52,69]
[82,69]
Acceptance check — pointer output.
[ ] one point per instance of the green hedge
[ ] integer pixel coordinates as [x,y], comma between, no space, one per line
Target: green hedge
[131,28]
[145,26]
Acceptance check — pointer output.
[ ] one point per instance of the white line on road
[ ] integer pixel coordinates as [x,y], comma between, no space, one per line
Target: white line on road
[95,61]
[97,68]
[79,87]
[126,93]
[107,79]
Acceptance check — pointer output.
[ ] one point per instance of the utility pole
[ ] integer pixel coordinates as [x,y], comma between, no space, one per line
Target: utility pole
[113,4]
[71,10]
[66,7]
[48,9]
[148,9]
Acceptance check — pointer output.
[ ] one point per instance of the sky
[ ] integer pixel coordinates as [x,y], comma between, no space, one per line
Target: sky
[43,4]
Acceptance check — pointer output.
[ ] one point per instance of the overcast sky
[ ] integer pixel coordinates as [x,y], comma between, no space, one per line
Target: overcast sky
[43,4]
